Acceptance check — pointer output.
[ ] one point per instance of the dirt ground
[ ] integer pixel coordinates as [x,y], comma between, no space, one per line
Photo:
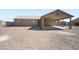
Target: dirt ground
[23,38]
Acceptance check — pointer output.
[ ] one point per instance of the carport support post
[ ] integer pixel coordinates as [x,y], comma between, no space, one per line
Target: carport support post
[42,22]
[62,23]
[70,24]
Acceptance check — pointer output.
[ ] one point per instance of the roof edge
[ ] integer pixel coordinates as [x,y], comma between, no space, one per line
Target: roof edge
[60,11]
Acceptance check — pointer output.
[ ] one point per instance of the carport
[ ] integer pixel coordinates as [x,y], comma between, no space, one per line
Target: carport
[53,17]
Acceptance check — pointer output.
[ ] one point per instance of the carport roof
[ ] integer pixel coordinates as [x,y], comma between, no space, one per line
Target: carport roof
[58,14]
[28,17]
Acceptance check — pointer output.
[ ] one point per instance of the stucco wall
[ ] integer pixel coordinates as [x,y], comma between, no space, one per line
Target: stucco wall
[50,22]
[27,22]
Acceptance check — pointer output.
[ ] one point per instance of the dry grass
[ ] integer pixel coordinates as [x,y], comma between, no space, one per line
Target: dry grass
[22,38]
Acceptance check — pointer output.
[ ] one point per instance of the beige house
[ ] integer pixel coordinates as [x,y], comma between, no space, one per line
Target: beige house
[26,20]
[51,19]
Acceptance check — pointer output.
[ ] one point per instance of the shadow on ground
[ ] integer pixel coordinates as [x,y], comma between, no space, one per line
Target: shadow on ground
[35,27]
[45,28]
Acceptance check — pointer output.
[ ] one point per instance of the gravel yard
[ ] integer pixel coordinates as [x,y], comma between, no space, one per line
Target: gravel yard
[22,38]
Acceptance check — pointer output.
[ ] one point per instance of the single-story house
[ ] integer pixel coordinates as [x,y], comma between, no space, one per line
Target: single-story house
[51,19]
[26,20]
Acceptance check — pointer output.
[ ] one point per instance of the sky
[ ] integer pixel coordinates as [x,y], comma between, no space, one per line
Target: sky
[10,14]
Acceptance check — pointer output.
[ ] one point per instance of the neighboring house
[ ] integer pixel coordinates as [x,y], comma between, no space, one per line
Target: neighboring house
[76,22]
[2,23]
[51,19]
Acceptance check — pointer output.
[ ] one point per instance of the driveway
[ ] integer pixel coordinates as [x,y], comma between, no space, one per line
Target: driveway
[23,38]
